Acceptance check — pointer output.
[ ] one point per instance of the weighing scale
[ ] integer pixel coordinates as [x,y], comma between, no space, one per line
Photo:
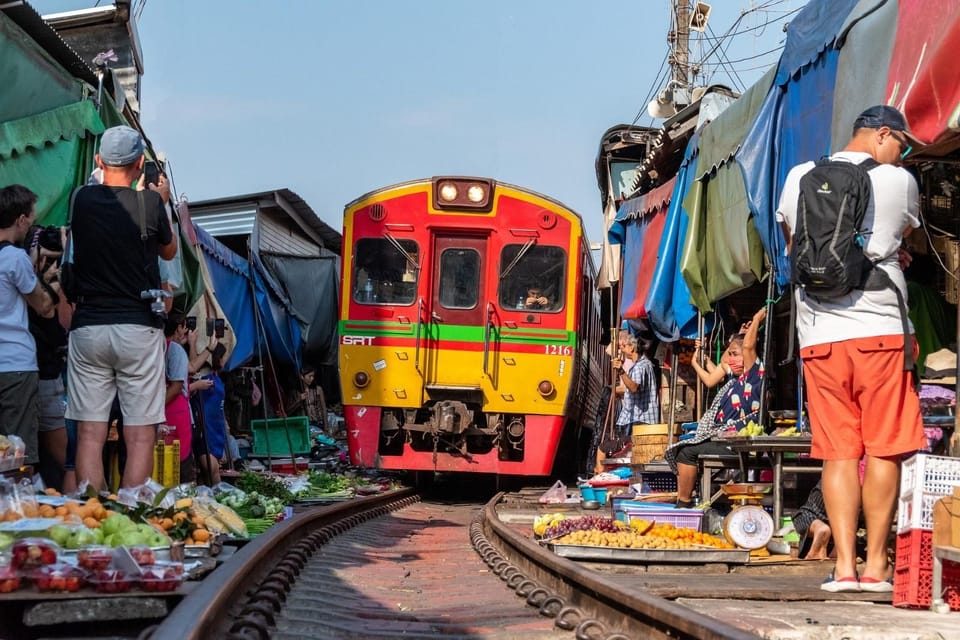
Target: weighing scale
[748,526]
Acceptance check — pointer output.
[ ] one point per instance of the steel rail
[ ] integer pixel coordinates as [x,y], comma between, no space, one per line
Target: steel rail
[631,614]
[204,613]
[248,591]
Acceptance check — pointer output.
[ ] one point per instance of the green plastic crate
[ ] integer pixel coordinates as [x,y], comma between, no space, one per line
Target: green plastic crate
[269,438]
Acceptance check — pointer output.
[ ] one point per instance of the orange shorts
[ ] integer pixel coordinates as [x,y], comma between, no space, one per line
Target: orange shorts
[861,400]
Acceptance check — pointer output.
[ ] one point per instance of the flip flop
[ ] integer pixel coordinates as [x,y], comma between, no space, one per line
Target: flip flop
[841,585]
[873,585]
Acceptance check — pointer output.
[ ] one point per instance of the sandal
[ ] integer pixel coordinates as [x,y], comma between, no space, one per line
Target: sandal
[841,585]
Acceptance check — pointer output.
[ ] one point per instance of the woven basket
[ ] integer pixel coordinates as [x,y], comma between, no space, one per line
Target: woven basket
[650,441]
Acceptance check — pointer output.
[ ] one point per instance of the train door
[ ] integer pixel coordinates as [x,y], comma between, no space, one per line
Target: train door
[457,314]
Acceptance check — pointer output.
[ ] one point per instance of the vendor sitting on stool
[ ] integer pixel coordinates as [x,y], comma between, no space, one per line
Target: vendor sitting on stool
[736,404]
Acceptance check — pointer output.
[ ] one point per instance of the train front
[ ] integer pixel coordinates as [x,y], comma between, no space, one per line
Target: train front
[458,326]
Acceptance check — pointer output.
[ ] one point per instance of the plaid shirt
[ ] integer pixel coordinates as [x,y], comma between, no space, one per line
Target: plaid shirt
[642,405]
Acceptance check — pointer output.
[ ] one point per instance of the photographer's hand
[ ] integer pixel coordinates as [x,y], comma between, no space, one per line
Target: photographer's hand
[162,187]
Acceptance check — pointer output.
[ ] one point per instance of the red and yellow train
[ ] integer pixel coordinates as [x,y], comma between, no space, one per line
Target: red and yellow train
[469,330]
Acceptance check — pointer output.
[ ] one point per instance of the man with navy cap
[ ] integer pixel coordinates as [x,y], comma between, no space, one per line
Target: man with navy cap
[860,399]
[116,341]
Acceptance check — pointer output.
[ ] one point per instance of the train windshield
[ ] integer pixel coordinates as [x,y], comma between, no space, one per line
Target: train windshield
[459,278]
[532,277]
[385,271]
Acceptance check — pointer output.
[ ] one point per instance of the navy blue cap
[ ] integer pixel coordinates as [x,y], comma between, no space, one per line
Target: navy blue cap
[120,146]
[883,115]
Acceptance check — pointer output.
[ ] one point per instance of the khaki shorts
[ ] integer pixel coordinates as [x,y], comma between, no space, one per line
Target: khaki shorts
[52,405]
[124,360]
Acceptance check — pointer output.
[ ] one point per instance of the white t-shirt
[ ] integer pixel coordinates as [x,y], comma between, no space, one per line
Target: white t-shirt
[895,203]
[18,350]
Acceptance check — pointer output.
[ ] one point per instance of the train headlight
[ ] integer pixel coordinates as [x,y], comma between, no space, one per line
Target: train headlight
[361,379]
[545,388]
[448,191]
[476,194]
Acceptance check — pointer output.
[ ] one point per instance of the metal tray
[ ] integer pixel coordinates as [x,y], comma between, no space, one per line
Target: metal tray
[650,556]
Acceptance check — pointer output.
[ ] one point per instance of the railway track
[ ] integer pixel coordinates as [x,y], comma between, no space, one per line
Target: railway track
[403,565]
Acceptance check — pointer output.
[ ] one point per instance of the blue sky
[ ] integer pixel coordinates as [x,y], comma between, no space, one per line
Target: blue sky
[334,98]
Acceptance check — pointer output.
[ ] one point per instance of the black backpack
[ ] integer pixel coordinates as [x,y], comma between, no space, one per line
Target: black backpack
[827,257]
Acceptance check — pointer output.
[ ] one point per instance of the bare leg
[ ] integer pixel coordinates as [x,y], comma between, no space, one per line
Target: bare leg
[211,463]
[139,440]
[880,484]
[686,479]
[841,495]
[69,481]
[91,437]
[820,536]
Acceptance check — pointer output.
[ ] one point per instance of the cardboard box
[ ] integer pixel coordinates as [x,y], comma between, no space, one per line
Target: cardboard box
[946,521]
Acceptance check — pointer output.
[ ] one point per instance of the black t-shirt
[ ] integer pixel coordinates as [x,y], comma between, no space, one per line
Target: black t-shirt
[51,342]
[111,262]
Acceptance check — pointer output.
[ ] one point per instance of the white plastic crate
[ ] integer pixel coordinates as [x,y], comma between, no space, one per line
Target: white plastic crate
[924,479]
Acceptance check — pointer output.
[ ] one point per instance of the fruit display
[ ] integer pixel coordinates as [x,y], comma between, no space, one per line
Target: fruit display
[30,553]
[599,531]
[142,555]
[58,577]
[94,557]
[544,522]
[752,429]
[585,523]
[111,581]
[160,578]
[9,579]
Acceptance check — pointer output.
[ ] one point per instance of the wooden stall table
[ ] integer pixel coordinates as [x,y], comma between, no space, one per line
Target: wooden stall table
[774,447]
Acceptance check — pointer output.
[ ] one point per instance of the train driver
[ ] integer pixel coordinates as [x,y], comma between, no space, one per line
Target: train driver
[536,299]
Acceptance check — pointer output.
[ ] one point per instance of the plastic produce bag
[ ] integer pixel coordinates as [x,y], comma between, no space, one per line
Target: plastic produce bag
[555,494]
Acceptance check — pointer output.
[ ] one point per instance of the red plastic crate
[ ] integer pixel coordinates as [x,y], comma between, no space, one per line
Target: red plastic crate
[289,469]
[913,572]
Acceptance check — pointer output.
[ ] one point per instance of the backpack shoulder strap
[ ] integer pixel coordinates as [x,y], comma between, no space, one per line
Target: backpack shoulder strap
[869,164]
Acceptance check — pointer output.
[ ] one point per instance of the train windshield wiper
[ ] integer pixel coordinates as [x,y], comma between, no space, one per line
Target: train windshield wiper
[523,251]
[399,247]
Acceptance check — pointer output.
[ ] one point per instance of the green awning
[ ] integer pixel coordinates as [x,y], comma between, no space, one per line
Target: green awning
[50,153]
[721,138]
[723,252]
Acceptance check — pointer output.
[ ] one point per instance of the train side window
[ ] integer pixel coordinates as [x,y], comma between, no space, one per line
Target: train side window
[383,274]
[532,278]
[459,278]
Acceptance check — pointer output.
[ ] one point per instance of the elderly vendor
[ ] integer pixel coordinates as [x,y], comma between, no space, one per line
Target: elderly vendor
[736,404]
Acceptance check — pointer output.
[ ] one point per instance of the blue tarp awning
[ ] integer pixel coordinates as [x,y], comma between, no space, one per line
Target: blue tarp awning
[259,319]
[671,314]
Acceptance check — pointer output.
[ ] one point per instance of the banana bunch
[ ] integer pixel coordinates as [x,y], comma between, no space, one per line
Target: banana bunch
[752,429]
[544,522]
[791,431]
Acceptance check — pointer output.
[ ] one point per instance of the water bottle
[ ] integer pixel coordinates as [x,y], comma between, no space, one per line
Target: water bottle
[520,302]
[368,291]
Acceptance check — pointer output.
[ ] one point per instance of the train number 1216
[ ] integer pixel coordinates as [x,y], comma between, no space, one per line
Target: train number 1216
[557,349]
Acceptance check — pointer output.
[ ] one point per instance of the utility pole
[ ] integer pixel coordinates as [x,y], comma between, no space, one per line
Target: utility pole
[681,45]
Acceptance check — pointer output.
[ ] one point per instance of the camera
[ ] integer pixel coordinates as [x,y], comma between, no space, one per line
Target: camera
[156,296]
[49,238]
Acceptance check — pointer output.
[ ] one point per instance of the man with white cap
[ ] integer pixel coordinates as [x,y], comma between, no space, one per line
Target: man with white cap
[116,339]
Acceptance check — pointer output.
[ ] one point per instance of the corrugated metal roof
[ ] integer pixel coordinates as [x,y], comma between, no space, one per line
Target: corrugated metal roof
[27,18]
[285,199]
